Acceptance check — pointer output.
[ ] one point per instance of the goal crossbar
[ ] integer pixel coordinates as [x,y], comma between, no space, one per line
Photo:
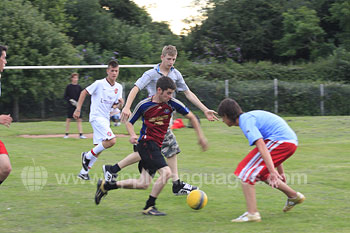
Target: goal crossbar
[73,67]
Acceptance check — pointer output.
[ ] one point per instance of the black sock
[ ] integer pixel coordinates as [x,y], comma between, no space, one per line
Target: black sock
[81,134]
[110,185]
[150,202]
[177,182]
[1,181]
[115,168]
[66,134]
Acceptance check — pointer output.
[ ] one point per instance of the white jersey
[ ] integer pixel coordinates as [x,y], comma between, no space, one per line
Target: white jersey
[103,96]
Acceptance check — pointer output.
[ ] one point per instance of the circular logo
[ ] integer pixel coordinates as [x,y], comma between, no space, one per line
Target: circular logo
[34,178]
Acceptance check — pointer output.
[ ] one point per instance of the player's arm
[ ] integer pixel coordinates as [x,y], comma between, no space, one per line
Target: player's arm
[209,114]
[126,110]
[201,138]
[66,97]
[280,170]
[81,100]
[130,124]
[265,154]
[6,120]
[131,131]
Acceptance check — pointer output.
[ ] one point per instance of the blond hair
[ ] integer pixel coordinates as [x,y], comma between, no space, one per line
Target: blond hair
[169,50]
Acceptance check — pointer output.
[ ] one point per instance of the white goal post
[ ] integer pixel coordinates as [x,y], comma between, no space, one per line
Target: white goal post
[73,67]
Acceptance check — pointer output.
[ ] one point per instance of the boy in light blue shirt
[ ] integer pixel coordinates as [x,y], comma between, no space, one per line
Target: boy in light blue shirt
[275,142]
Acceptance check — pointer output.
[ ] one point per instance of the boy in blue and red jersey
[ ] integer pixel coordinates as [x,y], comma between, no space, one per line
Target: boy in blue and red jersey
[275,142]
[156,113]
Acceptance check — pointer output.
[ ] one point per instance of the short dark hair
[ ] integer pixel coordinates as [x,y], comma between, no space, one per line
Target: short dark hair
[74,74]
[229,108]
[113,64]
[2,48]
[165,83]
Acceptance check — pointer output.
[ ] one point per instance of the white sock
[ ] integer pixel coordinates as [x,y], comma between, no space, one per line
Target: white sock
[92,161]
[96,150]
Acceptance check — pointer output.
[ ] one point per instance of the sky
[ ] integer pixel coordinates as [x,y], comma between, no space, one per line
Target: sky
[171,11]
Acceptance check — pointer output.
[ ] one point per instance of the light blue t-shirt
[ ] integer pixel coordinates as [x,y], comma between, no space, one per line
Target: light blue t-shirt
[266,125]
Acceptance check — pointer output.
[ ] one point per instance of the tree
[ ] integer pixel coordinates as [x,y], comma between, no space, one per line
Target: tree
[236,29]
[340,11]
[91,23]
[127,11]
[32,41]
[54,11]
[303,38]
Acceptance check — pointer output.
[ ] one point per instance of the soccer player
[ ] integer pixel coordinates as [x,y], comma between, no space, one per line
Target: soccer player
[170,147]
[5,165]
[104,93]
[71,95]
[275,142]
[156,113]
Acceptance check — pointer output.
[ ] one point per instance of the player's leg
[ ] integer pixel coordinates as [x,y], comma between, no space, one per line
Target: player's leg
[70,111]
[67,128]
[152,161]
[250,198]
[170,149]
[150,207]
[103,138]
[293,197]
[164,176]
[103,186]
[80,128]
[279,153]
[110,171]
[5,167]
[252,214]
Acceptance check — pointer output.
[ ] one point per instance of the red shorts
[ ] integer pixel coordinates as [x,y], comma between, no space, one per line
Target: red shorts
[252,168]
[2,148]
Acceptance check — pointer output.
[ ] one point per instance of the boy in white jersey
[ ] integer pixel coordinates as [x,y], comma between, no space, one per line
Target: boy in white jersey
[170,147]
[104,94]
[275,142]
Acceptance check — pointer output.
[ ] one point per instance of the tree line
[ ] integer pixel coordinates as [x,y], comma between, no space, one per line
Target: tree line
[239,39]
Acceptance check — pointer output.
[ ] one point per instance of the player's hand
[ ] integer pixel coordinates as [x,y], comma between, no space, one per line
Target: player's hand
[274,179]
[133,139]
[6,120]
[283,177]
[76,114]
[73,102]
[204,143]
[125,115]
[210,115]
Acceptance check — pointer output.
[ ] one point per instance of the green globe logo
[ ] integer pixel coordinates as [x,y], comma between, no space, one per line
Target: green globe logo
[34,177]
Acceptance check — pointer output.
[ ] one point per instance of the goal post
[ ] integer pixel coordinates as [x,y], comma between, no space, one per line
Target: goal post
[74,67]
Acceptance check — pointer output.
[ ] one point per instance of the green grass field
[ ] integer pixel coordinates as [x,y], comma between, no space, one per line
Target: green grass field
[319,169]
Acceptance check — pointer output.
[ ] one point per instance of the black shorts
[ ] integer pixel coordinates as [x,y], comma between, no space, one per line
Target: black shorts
[151,157]
[70,111]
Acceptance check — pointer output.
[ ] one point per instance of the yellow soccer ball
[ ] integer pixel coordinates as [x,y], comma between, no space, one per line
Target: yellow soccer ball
[197,199]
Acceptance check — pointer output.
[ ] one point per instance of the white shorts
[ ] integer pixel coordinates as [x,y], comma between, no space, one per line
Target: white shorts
[102,130]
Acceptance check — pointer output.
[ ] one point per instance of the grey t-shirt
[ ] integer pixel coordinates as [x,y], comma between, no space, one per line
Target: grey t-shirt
[149,80]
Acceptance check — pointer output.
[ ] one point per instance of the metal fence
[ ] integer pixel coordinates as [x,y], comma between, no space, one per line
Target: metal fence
[282,97]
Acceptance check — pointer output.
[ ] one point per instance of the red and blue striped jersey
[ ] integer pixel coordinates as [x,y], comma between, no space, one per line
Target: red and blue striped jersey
[156,118]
